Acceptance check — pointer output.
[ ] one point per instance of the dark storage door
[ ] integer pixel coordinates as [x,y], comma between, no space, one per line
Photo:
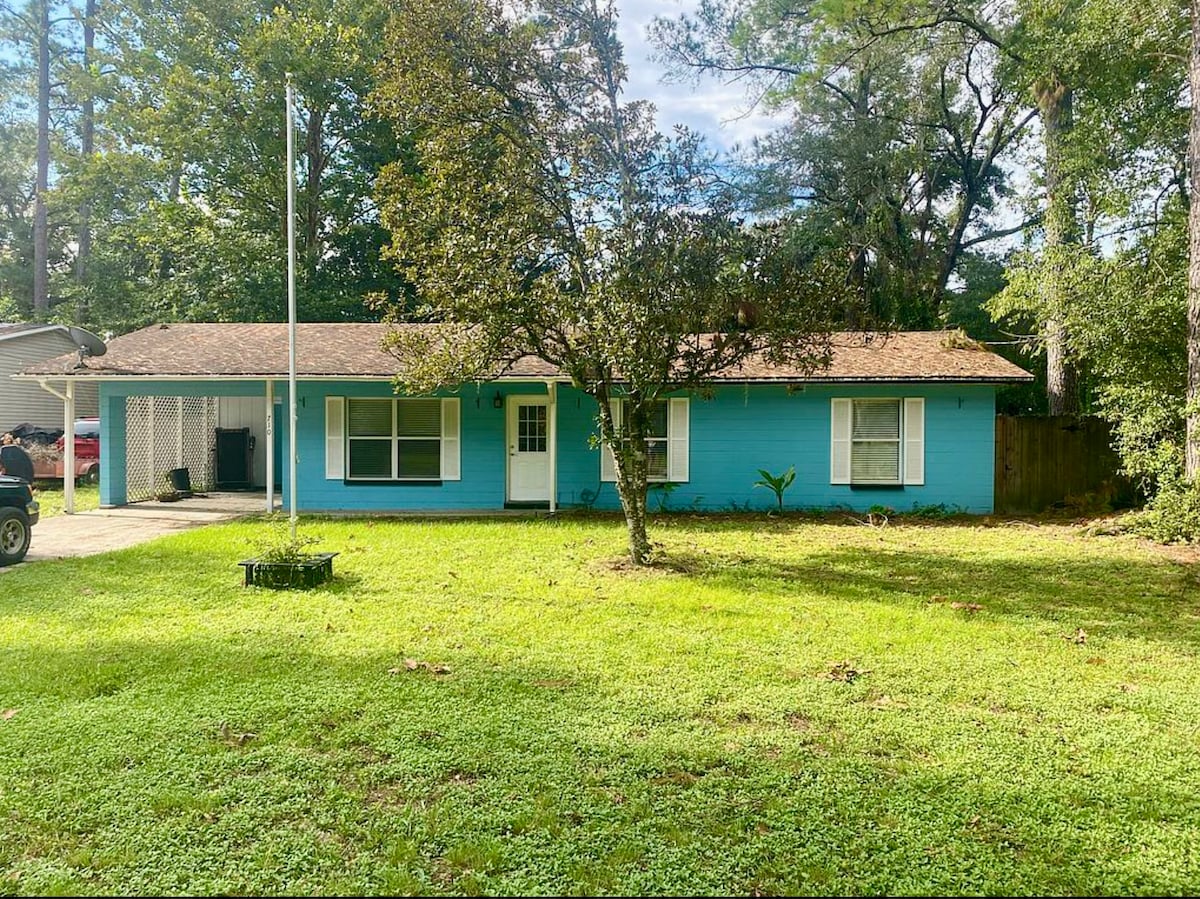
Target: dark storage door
[234,470]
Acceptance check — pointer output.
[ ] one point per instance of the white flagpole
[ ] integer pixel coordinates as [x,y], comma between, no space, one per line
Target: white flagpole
[291,298]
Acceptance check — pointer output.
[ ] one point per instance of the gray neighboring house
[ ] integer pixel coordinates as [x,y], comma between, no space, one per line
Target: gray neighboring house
[22,345]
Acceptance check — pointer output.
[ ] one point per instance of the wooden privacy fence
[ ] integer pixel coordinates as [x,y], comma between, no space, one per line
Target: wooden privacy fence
[1056,460]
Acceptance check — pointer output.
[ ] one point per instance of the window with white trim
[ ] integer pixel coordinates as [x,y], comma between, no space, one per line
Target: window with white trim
[875,441]
[393,439]
[666,441]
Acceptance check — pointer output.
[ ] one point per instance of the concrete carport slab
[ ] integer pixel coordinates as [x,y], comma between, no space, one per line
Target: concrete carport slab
[104,530]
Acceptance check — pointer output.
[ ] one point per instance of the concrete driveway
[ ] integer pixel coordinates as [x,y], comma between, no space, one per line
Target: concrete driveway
[103,530]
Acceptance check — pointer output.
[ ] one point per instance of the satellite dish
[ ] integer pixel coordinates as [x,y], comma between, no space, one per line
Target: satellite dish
[89,344]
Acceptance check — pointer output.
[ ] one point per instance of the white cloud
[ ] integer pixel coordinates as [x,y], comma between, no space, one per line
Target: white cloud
[718,111]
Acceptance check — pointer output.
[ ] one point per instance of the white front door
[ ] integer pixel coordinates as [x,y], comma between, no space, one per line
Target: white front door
[528,449]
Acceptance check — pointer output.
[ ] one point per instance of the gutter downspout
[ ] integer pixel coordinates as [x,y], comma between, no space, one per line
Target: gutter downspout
[68,442]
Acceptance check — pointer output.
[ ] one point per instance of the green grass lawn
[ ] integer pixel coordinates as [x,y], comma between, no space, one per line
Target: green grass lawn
[49,495]
[494,707]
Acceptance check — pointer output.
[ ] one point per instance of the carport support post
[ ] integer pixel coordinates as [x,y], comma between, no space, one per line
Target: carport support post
[69,450]
[270,432]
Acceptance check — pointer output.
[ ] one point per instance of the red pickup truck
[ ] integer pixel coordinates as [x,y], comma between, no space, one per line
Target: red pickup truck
[87,454]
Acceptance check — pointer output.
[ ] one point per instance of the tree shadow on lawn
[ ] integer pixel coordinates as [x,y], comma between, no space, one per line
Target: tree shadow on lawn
[1146,600]
[495,779]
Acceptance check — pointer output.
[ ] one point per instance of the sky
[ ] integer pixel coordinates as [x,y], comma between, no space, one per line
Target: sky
[716,110]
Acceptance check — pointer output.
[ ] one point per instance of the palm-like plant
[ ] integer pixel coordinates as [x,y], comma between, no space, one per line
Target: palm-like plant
[777,483]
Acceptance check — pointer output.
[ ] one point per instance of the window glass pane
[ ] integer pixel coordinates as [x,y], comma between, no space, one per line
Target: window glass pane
[656,459]
[875,461]
[419,418]
[658,420]
[420,459]
[370,418]
[876,420]
[531,429]
[371,459]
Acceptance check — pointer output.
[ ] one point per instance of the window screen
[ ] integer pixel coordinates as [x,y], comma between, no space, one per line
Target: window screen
[394,439]
[875,442]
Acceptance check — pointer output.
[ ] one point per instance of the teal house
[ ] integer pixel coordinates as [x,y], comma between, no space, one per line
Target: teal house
[902,420]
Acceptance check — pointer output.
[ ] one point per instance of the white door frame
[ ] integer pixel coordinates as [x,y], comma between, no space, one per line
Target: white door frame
[511,403]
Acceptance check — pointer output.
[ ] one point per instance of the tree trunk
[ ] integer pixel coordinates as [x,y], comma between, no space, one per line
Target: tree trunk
[1062,231]
[629,454]
[1192,454]
[87,136]
[41,228]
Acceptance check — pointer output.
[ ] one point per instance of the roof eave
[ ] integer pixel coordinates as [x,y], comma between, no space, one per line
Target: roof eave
[277,376]
[29,332]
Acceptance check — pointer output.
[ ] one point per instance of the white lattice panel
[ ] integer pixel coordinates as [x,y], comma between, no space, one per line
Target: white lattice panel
[166,432]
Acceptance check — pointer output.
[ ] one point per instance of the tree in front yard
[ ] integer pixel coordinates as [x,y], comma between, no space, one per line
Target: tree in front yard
[542,215]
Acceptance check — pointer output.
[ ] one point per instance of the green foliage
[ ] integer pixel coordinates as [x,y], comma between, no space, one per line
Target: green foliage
[777,484]
[602,731]
[277,545]
[662,491]
[1132,335]
[539,214]
[185,188]
[1171,516]
[899,122]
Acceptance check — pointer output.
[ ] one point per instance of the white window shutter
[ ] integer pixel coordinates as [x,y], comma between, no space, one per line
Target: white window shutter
[839,445]
[914,440]
[451,443]
[335,438]
[677,440]
[608,465]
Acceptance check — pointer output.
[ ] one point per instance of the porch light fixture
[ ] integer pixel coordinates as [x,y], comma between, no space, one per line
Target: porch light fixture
[498,401]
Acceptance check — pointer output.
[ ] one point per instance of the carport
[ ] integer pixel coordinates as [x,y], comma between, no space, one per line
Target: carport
[162,411]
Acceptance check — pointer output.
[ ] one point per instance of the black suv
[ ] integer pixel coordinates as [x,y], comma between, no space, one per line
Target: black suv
[18,513]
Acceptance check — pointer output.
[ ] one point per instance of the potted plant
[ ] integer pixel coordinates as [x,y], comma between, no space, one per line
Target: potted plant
[283,562]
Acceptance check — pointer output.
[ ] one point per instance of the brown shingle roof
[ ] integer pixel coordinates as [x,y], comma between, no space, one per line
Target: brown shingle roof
[353,351]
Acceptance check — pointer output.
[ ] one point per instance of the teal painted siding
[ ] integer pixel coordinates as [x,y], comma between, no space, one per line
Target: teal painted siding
[483,454]
[112,462]
[744,428]
[736,431]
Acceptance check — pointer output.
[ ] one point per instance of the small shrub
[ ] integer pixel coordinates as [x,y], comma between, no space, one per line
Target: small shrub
[280,547]
[662,493]
[777,483]
[1173,516]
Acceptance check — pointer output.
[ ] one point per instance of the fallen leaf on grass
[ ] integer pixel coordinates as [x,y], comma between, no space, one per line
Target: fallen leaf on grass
[7,714]
[844,672]
[231,737]
[967,606]
[937,597]
[414,665]
[1095,660]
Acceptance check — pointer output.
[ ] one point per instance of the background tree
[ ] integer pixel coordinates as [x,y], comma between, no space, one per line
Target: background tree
[895,142]
[949,88]
[165,183]
[541,215]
